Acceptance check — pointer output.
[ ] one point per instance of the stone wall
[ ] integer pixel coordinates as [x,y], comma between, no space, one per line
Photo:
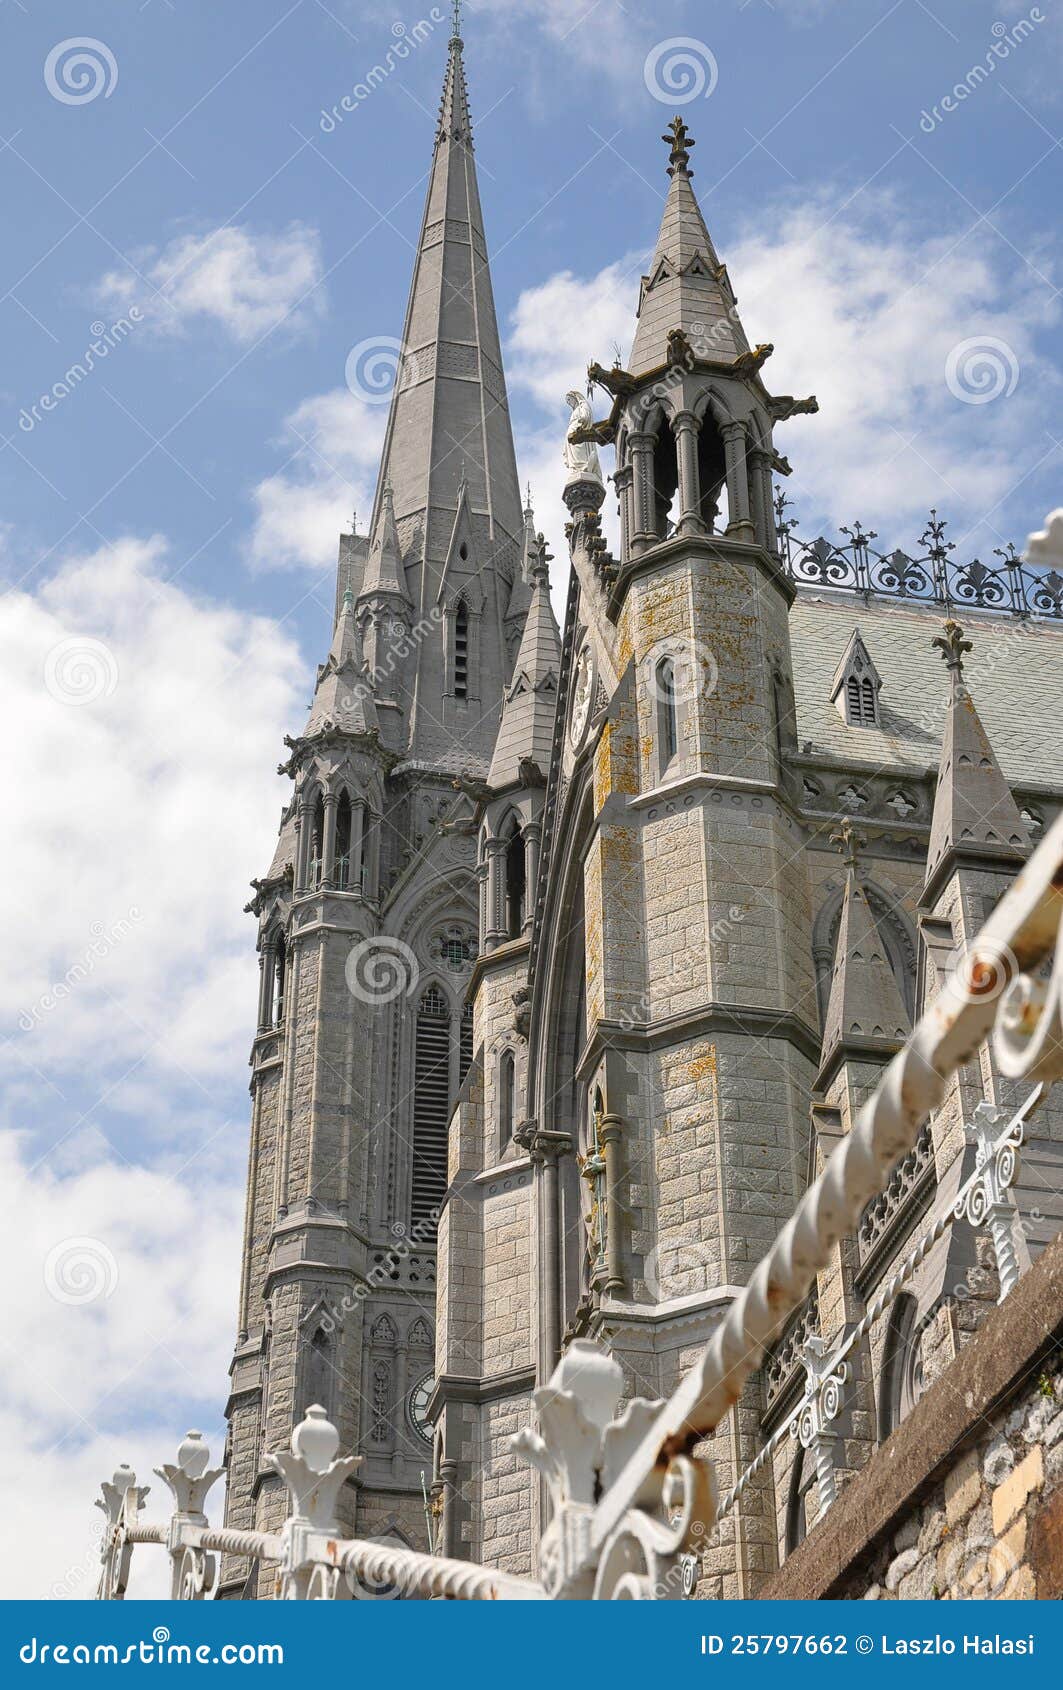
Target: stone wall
[965,1499]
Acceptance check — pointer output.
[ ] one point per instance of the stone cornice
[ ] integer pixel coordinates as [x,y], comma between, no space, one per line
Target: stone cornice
[452,1387]
[713,1018]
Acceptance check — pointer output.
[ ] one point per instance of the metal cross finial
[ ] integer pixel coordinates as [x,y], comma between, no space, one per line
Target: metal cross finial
[456,22]
[849,842]
[354,523]
[952,646]
[678,137]
[528,500]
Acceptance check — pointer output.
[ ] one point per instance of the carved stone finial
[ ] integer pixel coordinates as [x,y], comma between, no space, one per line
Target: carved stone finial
[678,137]
[850,842]
[952,646]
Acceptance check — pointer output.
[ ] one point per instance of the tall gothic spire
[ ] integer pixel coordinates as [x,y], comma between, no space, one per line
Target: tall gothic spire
[974,811]
[449,413]
[687,287]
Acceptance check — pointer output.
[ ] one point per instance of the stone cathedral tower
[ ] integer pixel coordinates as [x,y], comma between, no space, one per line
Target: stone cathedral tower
[368,915]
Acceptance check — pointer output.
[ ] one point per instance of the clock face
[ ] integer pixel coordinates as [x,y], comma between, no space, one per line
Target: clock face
[417,1407]
[582,695]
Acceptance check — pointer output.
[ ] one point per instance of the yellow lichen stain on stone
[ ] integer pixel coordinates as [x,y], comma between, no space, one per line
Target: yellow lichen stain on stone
[703,1067]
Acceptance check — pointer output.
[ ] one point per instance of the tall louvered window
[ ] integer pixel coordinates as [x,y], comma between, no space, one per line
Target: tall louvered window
[431,1105]
[465,1043]
[861,704]
[507,1098]
[461,652]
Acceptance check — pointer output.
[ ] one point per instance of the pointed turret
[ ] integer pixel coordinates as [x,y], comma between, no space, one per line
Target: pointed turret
[975,815]
[520,597]
[865,1010]
[343,697]
[384,575]
[687,287]
[449,412]
[525,734]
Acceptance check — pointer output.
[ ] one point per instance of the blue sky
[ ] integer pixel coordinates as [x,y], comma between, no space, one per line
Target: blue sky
[170,524]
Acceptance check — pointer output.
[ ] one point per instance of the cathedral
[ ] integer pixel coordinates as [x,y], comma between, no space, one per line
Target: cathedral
[580,948]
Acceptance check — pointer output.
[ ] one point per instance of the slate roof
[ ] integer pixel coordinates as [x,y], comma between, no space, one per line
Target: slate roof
[1014,673]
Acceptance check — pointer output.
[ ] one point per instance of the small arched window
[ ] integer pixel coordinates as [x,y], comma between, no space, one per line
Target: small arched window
[319,1373]
[667,718]
[507,1098]
[461,651]
[514,883]
[861,704]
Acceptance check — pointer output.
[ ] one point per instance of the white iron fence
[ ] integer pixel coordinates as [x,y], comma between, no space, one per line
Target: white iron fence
[629,1497]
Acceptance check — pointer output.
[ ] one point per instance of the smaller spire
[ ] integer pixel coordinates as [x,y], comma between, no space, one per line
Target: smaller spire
[866,1016]
[680,142]
[975,814]
[384,571]
[525,733]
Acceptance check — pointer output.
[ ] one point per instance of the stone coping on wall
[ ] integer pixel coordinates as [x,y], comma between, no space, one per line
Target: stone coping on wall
[1014,1342]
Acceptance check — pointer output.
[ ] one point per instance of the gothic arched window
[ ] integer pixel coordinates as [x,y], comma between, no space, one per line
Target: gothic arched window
[461,651]
[507,1098]
[342,872]
[514,882]
[861,704]
[667,719]
[317,841]
[280,969]
[318,1373]
[431,1105]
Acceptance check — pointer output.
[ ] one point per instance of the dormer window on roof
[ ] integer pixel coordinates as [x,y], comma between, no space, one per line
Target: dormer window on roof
[856,686]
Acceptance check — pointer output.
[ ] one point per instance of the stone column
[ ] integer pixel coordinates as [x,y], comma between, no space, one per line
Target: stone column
[354,873]
[685,428]
[371,878]
[496,892]
[267,967]
[532,834]
[622,482]
[304,823]
[609,1136]
[643,514]
[328,840]
[740,525]
[482,882]
[760,483]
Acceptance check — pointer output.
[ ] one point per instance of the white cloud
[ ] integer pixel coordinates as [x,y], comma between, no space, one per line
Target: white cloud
[148,808]
[334,441]
[116,1328]
[865,311]
[243,281]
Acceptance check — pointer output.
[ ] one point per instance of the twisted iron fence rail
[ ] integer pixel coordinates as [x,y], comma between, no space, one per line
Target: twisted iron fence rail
[629,1496]
[1030,586]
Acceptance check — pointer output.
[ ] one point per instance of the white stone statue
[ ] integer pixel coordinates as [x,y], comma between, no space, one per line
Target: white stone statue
[581,456]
